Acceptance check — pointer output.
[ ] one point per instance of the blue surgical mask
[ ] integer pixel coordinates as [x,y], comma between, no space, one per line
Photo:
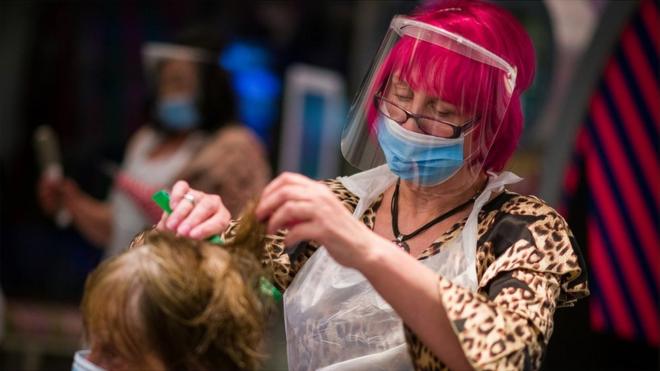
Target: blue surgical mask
[81,363]
[420,158]
[178,114]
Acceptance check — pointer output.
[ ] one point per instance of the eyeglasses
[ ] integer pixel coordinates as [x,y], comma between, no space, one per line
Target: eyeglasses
[428,125]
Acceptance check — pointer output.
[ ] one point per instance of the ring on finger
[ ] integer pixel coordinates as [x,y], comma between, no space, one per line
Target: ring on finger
[190,198]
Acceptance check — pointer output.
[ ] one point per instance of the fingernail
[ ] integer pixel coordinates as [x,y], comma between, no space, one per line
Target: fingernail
[171,223]
[195,234]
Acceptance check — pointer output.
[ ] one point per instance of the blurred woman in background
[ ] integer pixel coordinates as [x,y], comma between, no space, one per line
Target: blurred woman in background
[192,135]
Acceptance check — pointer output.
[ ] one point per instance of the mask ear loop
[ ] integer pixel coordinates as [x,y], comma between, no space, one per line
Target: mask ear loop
[473,155]
[473,126]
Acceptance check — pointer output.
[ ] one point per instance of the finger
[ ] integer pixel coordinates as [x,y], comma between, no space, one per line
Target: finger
[206,207]
[161,222]
[69,188]
[50,185]
[178,191]
[48,180]
[46,190]
[290,214]
[216,224]
[301,232]
[283,179]
[269,202]
[179,213]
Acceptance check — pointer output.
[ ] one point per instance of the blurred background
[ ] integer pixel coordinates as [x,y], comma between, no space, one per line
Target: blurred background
[590,146]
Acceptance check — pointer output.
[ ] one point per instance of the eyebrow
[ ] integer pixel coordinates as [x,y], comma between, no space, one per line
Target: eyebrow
[399,85]
[440,104]
[444,106]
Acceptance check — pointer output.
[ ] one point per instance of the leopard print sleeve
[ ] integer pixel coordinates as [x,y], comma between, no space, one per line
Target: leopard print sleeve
[275,258]
[529,265]
[508,330]
[285,263]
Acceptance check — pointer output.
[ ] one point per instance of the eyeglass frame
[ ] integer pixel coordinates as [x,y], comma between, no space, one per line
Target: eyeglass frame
[457,129]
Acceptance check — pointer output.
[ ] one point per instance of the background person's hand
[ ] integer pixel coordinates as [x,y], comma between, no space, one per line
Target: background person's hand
[49,192]
[198,215]
[70,194]
[310,211]
[61,199]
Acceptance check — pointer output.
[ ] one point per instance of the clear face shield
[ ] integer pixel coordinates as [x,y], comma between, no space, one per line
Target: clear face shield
[155,53]
[430,107]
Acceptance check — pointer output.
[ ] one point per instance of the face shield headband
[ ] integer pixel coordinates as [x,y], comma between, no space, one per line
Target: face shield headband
[155,52]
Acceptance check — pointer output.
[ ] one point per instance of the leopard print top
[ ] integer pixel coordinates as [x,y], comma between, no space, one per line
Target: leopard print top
[528,263]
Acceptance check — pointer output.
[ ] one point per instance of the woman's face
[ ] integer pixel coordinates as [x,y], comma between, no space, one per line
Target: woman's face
[178,78]
[431,115]
[436,112]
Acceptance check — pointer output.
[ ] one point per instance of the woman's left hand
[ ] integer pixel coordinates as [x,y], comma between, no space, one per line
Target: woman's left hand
[310,211]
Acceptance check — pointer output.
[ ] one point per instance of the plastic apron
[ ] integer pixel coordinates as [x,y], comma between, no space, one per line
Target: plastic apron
[334,318]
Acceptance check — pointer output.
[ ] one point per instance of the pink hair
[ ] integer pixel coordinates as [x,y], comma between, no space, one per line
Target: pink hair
[484,24]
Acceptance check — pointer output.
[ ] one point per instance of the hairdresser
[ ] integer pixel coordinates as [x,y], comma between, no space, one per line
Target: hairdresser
[192,134]
[424,260]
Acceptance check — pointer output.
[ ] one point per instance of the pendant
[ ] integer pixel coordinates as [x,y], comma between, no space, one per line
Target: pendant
[402,244]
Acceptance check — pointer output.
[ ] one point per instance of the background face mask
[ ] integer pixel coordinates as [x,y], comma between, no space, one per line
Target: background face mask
[423,159]
[178,114]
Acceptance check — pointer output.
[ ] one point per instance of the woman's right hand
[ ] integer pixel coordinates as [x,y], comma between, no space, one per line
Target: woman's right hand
[195,214]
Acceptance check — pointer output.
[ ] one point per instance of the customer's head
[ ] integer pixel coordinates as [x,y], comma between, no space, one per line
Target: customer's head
[174,303]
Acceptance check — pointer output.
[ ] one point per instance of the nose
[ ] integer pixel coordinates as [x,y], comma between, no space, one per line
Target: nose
[411,124]
[416,106]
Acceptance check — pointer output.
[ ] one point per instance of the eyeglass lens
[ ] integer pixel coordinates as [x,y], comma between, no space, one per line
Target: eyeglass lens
[427,125]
